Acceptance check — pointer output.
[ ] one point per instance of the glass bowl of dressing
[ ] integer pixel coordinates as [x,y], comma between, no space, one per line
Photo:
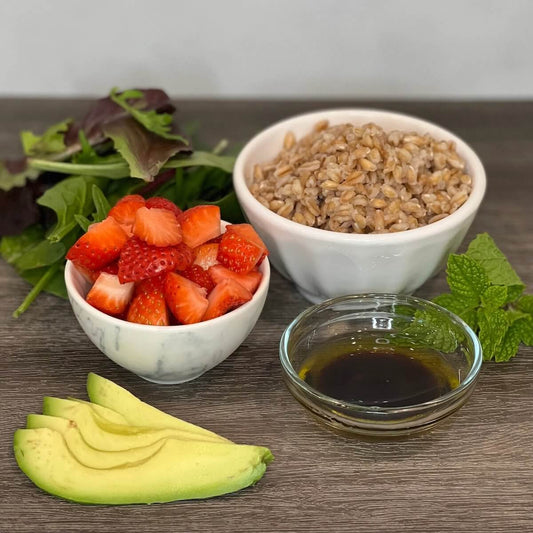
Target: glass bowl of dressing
[380,365]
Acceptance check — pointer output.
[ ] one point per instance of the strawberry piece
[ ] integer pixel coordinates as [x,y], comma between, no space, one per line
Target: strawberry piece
[92,275]
[162,203]
[206,255]
[140,260]
[200,276]
[238,253]
[200,224]
[226,296]
[248,232]
[124,210]
[159,227]
[101,245]
[250,280]
[186,299]
[109,295]
[148,305]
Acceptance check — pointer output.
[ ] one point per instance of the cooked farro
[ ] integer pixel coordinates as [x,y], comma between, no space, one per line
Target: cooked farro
[355,179]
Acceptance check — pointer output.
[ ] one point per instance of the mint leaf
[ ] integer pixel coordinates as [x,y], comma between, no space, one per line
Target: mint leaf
[483,249]
[158,123]
[526,331]
[494,297]
[493,326]
[429,330]
[463,308]
[52,141]
[510,343]
[466,278]
[525,303]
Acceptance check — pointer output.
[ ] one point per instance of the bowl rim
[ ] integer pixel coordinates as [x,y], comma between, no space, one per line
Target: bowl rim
[469,208]
[70,271]
[360,408]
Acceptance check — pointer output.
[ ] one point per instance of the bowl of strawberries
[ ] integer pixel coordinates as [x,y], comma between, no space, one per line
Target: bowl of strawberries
[165,293]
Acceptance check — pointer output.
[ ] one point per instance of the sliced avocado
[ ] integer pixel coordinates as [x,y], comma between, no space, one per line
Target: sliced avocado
[102,435]
[85,454]
[180,470]
[104,412]
[108,394]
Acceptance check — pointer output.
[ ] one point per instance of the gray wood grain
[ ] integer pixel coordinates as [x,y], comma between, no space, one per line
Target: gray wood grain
[475,473]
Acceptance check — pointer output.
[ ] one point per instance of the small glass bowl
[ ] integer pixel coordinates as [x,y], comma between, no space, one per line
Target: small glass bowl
[381,322]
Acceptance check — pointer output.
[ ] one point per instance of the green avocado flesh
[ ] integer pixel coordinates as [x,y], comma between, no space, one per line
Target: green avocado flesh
[179,470]
[106,454]
[104,435]
[108,394]
[85,454]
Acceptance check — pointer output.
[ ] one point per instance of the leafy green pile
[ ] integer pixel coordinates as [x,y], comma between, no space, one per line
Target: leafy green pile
[487,294]
[127,143]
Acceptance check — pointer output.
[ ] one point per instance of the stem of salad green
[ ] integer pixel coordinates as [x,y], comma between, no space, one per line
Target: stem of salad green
[37,288]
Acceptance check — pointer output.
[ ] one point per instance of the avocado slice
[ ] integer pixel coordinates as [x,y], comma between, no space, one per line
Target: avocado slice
[85,454]
[105,393]
[103,435]
[104,412]
[180,470]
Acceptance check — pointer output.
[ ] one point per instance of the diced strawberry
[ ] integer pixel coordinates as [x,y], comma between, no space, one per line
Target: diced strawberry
[186,299]
[162,203]
[250,280]
[227,295]
[206,255]
[109,295]
[92,275]
[248,232]
[159,227]
[124,210]
[200,224]
[215,240]
[238,253]
[140,260]
[101,245]
[148,305]
[200,276]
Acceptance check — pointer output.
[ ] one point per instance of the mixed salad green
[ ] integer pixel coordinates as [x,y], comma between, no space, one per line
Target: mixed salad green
[71,174]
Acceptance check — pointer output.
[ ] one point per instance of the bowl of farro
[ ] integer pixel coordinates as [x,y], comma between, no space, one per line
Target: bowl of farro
[358,200]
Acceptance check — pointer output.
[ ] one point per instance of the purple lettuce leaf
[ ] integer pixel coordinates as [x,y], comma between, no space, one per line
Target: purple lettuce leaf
[144,151]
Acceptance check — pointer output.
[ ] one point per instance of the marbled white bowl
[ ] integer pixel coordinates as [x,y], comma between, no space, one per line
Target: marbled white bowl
[165,354]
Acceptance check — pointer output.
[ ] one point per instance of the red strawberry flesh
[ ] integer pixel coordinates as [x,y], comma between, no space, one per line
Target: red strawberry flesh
[226,296]
[101,245]
[200,224]
[109,295]
[148,305]
[159,227]
[124,210]
[238,253]
[140,260]
[186,299]
[249,280]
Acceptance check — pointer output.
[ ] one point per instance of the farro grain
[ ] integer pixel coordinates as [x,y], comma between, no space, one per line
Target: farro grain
[355,179]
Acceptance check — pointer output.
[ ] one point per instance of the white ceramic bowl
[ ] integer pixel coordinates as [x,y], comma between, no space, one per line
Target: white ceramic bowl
[325,264]
[165,354]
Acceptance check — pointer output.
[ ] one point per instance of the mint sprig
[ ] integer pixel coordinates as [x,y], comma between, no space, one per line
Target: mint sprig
[486,292]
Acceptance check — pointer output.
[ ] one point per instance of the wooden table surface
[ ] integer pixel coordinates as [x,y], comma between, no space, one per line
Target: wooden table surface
[475,473]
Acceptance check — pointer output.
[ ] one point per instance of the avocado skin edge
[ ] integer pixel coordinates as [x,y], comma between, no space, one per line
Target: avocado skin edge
[180,470]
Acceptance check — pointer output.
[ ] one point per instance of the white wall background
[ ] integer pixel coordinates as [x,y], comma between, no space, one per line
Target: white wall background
[269,48]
